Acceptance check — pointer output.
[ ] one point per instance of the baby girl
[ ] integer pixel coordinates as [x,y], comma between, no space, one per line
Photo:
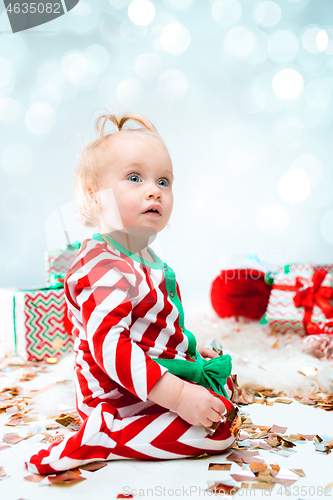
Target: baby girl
[144,389]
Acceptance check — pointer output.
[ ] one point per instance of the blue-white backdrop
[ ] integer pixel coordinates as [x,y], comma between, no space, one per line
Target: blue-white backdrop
[241,91]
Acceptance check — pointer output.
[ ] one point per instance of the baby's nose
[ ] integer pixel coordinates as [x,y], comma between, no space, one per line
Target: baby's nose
[154,195]
[153,191]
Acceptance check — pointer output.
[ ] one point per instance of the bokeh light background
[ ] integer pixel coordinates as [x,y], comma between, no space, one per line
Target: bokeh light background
[241,92]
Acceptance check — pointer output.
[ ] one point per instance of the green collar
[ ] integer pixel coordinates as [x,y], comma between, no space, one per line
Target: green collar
[157,264]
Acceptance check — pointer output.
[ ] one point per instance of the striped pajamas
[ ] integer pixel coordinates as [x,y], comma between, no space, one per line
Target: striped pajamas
[125,312]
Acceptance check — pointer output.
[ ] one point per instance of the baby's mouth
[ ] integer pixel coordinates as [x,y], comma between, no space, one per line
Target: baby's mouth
[153,209]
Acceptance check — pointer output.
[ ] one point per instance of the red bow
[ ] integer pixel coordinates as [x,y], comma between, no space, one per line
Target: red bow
[314,295]
[319,328]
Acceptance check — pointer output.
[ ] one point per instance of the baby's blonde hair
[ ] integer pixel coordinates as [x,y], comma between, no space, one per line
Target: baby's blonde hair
[90,162]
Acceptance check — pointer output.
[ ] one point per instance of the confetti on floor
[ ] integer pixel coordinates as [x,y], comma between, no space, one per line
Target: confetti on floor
[254,473]
[213,466]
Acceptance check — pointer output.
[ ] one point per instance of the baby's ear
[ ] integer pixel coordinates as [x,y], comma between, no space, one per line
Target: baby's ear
[92,198]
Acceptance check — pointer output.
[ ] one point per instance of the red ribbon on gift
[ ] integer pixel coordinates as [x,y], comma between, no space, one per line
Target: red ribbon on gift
[319,328]
[315,295]
[310,296]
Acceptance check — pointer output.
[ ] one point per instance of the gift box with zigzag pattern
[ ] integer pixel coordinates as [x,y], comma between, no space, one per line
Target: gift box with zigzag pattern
[34,323]
[301,299]
[58,261]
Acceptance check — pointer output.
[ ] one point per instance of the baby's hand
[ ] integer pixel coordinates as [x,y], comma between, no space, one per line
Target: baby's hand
[206,352]
[197,406]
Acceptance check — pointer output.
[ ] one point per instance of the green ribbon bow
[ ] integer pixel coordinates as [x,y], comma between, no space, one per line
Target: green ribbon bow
[211,373]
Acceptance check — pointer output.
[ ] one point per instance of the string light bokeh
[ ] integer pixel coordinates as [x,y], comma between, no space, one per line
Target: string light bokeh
[241,92]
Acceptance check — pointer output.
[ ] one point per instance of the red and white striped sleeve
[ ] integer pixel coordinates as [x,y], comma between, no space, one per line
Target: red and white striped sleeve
[104,294]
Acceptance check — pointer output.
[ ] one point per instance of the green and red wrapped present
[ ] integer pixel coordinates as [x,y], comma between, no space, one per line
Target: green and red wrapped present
[301,300]
[58,261]
[34,323]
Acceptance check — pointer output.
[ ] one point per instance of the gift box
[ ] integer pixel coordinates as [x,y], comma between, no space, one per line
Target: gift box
[301,300]
[34,323]
[58,261]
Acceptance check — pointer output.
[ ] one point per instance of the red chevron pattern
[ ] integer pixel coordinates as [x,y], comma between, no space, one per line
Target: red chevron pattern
[46,328]
[159,434]
[282,315]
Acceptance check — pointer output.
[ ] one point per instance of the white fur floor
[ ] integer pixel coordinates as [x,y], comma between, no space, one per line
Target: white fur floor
[258,365]
[255,361]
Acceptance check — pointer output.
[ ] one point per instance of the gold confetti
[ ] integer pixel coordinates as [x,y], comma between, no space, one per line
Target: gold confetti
[92,467]
[64,419]
[35,478]
[27,419]
[13,422]
[300,472]
[50,427]
[214,466]
[199,457]
[52,361]
[12,438]
[66,478]
[278,429]
[223,489]
[258,467]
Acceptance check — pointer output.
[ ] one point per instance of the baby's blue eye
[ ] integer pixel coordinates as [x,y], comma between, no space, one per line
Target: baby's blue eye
[163,182]
[134,178]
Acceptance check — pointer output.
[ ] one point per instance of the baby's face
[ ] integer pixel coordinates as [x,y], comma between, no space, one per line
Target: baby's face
[139,172]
